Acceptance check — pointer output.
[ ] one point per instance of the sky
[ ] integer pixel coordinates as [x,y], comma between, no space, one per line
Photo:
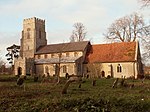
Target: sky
[60,15]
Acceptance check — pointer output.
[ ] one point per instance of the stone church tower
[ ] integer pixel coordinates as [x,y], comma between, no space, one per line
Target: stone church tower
[33,36]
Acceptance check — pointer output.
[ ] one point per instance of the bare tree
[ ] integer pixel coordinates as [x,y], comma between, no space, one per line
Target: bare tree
[127,29]
[79,33]
[58,67]
[146,39]
[146,46]
[94,71]
[69,81]
[145,2]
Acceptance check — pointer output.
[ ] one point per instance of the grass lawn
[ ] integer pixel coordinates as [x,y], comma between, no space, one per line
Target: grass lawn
[47,97]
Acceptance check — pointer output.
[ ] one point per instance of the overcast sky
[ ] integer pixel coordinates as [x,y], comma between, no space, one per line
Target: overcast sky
[60,15]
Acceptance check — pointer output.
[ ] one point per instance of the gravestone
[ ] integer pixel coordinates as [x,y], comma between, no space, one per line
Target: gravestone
[20,81]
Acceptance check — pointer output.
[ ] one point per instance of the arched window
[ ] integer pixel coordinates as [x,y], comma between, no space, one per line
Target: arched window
[56,68]
[64,69]
[103,74]
[119,68]
[46,69]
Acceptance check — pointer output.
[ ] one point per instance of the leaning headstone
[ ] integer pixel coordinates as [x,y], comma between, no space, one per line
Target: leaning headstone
[20,81]
[115,83]
[64,91]
[73,78]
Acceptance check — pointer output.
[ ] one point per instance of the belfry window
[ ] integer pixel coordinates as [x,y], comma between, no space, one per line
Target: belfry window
[64,69]
[119,68]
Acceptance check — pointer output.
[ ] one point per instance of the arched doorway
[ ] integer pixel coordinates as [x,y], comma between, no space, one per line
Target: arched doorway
[103,74]
[47,70]
[19,71]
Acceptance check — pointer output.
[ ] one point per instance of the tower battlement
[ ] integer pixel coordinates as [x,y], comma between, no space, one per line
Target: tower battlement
[33,36]
[35,20]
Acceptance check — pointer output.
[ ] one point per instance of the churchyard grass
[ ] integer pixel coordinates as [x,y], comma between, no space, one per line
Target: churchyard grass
[45,96]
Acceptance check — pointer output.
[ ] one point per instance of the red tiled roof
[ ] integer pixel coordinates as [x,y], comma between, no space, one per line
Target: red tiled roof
[63,47]
[115,52]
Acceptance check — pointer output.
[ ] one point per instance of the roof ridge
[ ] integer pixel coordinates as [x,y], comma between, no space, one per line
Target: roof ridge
[63,47]
[66,43]
[113,43]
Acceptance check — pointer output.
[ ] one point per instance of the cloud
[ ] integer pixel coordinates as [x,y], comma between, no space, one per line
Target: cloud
[60,16]
[95,14]
[7,39]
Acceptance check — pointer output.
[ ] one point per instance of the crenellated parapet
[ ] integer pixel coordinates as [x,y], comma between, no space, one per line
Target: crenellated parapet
[35,20]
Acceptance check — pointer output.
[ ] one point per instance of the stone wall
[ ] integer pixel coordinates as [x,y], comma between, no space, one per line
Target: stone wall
[50,69]
[128,69]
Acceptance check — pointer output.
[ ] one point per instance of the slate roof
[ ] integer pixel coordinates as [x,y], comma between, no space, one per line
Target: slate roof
[114,52]
[57,60]
[63,47]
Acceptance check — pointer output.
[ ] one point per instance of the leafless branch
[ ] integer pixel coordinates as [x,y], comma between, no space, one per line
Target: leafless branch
[145,3]
[79,33]
[126,29]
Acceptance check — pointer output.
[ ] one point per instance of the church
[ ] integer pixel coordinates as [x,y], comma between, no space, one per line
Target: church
[78,58]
